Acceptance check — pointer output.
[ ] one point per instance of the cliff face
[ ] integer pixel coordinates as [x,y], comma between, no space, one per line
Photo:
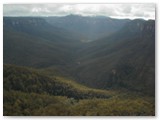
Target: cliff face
[20,21]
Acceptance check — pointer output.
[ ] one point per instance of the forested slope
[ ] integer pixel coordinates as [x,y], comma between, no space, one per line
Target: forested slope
[29,92]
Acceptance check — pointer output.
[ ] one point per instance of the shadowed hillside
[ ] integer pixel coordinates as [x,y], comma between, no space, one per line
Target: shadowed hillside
[125,59]
[34,42]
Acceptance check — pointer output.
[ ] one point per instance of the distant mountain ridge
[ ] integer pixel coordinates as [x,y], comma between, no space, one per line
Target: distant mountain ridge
[91,27]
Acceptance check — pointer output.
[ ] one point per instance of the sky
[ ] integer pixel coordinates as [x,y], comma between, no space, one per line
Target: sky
[131,11]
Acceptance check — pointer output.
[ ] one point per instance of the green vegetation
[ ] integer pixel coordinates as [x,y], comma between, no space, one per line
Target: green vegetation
[20,103]
[28,92]
[28,80]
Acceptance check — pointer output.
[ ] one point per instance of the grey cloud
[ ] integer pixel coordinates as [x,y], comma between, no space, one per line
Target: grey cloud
[146,11]
[126,8]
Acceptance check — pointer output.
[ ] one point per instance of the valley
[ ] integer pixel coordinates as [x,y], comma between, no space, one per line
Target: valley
[82,65]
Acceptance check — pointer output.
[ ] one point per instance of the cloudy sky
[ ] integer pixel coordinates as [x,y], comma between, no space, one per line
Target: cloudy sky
[145,11]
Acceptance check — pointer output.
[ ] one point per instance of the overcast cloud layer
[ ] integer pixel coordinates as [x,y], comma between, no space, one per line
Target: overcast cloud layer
[145,11]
